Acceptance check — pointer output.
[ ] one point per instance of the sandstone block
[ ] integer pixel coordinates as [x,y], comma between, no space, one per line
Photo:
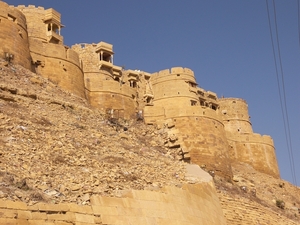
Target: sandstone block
[16,205]
[84,218]
[147,195]
[38,216]
[68,217]
[24,214]
[105,210]
[62,223]
[82,209]
[8,213]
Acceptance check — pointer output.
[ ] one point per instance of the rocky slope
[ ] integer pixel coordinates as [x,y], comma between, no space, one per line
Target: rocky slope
[55,148]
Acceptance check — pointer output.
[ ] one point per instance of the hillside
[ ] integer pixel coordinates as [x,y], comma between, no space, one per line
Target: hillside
[55,148]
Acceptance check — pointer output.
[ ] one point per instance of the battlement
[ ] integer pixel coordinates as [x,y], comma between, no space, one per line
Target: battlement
[173,71]
[232,100]
[251,138]
[29,7]
[84,45]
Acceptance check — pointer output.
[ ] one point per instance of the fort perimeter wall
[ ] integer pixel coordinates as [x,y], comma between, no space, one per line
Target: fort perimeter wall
[246,146]
[190,205]
[54,61]
[13,36]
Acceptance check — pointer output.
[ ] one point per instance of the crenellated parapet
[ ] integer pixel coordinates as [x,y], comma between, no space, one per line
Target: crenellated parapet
[14,46]
[43,24]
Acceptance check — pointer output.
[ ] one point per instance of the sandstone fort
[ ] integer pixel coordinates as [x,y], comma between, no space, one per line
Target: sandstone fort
[202,130]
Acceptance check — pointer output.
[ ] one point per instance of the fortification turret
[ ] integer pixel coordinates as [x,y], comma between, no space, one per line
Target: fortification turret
[49,57]
[14,45]
[105,83]
[195,114]
[235,115]
[43,25]
[246,146]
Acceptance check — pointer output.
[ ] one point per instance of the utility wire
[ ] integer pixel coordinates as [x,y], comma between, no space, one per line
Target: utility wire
[282,101]
[298,8]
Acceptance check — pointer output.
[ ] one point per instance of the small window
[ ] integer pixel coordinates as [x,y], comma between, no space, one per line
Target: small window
[193,103]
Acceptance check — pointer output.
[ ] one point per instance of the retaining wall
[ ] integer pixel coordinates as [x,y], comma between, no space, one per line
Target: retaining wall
[192,204]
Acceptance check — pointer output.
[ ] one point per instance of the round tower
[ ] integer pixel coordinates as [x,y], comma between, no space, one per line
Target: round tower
[108,87]
[195,114]
[175,87]
[14,45]
[246,146]
[50,58]
[235,115]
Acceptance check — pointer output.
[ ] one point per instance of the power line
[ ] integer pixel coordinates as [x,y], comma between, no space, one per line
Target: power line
[282,97]
[298,9]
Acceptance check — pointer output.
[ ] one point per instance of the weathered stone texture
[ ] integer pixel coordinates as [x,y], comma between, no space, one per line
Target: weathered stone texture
[244,211]
[191,204]
[13,36]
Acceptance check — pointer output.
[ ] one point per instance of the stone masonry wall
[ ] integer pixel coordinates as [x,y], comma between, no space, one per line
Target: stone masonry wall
[13,35]
[206,143]
[172,87]
[52,60]
[244,211]
[105,86]
[196,204]
[59,64]
[246,146]
[255,150]
[235,115]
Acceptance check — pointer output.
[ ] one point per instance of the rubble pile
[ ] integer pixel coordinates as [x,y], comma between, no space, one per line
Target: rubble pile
[55,148]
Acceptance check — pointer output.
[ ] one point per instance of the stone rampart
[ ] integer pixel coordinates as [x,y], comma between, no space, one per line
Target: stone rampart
[87,54]
[14,45]
[255,150]
[173,87]
[34,16]
[42,24]
[206,143]
[59,64]
[191,204]
[235,115]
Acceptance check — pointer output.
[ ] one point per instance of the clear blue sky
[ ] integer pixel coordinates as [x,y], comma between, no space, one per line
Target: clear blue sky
[226,43]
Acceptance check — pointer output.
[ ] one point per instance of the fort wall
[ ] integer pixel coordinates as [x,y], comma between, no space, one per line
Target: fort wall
[14,44]
[235,115]
[50,58]
[206,143]
[246,146]
[107,86]
[34,15]
[191,204]
[87,70]
[201,133]
[255,150]
[169,85]
[59,64]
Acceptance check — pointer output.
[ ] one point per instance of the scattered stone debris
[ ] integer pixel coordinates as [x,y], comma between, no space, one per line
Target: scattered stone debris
[55,148]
